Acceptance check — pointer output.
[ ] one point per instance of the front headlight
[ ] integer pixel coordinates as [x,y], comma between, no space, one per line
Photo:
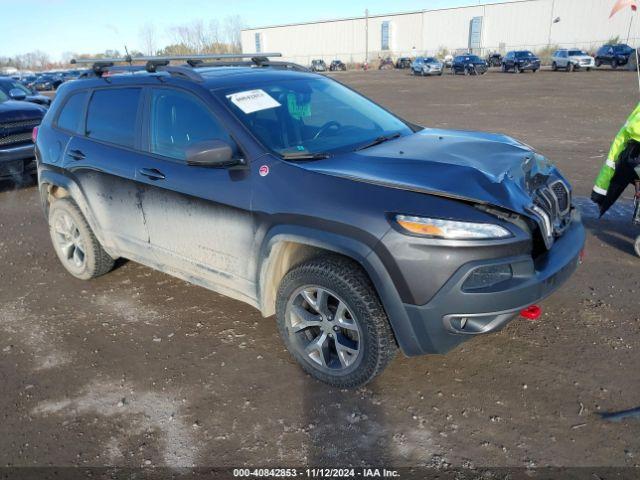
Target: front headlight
[451,229]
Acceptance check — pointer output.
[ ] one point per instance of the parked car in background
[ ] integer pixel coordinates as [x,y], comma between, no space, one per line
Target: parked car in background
[427,66]
[494,59]
[17,121]
[48,82]
[468,65]
[29,81]
[318,66]
[448,61]
[403,62]
[520,60]
[386,64]
[571,59]
[16,90]
[614,55]
[337,65]
[395,235]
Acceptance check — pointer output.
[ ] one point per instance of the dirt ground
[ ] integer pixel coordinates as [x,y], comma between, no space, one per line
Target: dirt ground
[137,368]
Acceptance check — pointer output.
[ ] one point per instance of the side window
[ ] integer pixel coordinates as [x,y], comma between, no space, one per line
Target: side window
[179,120]
[72,112]
[111,116]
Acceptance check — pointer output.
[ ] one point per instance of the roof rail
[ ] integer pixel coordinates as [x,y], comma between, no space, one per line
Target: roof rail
[100,66]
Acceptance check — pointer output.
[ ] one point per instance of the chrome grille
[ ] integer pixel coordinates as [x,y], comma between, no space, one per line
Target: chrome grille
[20,124]
[562,195]
[552,206]
[17,138]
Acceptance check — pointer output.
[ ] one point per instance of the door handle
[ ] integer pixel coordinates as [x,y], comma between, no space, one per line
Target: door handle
[152,173]
[76,154]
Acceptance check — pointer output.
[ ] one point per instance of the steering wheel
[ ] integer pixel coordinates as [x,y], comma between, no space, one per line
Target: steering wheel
[325,128]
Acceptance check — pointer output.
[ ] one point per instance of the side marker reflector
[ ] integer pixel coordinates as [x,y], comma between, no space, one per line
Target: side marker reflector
[531,313]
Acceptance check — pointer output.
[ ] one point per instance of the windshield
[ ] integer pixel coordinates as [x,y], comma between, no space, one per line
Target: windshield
[301,116]
[524,54]
[573,53]
[431,60]
[468,58]
[7,86]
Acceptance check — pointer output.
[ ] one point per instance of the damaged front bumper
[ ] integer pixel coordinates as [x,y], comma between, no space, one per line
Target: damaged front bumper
[455,314]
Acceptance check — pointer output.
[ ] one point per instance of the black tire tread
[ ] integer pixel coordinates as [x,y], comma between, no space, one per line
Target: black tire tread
[345,274]
[102,262]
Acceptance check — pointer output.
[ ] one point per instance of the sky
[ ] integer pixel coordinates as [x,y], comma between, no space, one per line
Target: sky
[91,26]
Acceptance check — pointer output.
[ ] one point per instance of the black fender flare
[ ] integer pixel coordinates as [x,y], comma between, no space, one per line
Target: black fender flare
[49,177]
[361,253]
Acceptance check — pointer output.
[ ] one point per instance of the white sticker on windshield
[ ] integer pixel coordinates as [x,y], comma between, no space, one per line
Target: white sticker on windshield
[253,100]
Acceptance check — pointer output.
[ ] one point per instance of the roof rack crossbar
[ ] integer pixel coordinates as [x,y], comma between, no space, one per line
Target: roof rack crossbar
[161,63]
[185,58]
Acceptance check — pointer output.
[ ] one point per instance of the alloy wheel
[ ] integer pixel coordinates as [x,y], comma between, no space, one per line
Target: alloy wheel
[323,330]
[69,241]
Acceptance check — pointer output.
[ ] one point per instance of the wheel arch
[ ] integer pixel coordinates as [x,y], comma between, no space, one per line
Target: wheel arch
[286,247]
[53,185]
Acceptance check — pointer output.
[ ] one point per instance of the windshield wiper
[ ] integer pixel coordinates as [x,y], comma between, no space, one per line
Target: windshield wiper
[378,141]
[304,156]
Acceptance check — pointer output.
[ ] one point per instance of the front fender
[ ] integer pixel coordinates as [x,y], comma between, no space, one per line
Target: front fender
[361,253]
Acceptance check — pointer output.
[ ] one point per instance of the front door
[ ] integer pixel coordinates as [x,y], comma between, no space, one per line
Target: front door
[199,218]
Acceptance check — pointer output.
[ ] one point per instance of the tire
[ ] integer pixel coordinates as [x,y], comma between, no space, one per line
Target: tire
[570,67]
[504,68]
[588,69]
[516,69]
[75,244]
[534,70]
[367,333]
[598,63]
[614,63]
[636,246]
[554,66]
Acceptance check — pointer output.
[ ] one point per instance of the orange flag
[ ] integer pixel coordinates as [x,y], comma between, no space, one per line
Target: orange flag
[620,4]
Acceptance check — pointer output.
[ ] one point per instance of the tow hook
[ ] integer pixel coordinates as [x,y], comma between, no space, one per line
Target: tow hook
[531,313]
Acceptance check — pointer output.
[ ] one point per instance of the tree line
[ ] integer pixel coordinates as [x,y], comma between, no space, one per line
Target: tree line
[196,37]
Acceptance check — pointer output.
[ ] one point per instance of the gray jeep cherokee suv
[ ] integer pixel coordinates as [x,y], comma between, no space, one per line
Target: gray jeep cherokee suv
[293,193]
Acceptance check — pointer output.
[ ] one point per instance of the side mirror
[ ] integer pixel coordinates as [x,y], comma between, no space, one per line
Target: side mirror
[17,94]
[211,153]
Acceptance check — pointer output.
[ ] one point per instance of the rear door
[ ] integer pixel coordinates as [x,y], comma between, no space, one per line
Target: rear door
[102,158]
[199,218]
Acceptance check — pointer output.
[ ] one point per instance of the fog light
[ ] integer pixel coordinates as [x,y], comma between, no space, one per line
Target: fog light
[487,276]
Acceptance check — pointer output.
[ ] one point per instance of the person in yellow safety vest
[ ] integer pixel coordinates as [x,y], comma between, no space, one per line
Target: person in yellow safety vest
[630,132]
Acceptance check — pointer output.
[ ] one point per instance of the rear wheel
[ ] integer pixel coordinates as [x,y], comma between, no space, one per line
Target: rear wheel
[75,244]
[614,63]
[554,66]
[598,63]
[570,67]
[332,322]
[516,68]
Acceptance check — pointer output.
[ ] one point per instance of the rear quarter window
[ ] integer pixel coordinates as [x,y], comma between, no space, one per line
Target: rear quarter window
[112,115]
[71,114]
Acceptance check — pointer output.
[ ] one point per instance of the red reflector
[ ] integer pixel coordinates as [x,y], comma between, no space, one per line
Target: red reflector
[34,134]
[583,253]
[531,313]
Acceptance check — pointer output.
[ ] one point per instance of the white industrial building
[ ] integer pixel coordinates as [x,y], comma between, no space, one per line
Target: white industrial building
[524,24]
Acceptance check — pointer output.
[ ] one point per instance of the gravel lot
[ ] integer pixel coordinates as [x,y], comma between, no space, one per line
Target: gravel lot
[137,368]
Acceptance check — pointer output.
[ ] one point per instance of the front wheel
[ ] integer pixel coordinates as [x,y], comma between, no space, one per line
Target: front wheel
[570,67]
[331,321]
[614,63]
[516,68]
[554,66]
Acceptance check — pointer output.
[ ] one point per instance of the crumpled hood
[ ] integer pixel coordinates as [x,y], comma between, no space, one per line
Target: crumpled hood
[479,167]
